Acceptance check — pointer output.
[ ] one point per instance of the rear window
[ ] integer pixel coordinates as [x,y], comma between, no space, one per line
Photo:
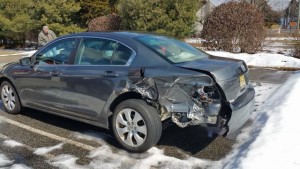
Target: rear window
[171,49]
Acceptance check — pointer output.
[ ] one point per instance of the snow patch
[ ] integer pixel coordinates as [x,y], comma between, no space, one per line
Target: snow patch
[19,166]
[4,161]
[263,92]
[105,158]
[65,161]
[12,143]
[45,150]
[261,59]
[92,136]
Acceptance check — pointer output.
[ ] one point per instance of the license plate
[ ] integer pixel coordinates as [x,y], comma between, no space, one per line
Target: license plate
[242,81]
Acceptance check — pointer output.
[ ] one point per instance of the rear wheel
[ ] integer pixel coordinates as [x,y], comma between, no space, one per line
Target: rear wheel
[10,98]
[136,125]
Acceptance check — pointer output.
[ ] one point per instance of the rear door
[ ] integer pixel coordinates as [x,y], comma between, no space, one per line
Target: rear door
[100,65]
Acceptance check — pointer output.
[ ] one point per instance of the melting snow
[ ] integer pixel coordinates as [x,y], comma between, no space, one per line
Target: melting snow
[105,158]
[45,150]
[19,166]
[101,138]
[65,161]
[12,143]
[4,161]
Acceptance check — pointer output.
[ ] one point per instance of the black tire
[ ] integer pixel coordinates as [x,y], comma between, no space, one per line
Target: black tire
[10,98]
[149,119]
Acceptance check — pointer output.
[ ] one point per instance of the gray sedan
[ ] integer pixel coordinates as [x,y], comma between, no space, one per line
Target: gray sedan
[131,83]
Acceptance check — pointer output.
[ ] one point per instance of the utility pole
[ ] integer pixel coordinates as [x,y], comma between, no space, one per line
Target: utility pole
[289,17]
[298,14]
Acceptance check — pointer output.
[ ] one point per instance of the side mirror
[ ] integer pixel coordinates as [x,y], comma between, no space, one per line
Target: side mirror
[25,61]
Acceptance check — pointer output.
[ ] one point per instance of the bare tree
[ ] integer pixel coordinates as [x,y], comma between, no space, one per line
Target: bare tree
[105,23]
[233,26]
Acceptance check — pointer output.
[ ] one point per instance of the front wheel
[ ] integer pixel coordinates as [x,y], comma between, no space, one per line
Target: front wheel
[136,125]
[10,98]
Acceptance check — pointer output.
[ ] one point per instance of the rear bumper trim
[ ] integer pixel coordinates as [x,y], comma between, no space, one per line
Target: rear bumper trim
[241,110]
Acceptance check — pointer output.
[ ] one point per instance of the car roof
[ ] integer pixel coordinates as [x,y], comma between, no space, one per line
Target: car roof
[116,34]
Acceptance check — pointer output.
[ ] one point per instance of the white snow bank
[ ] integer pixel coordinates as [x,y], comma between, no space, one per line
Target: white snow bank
[261,59]
[45,150]
[12,143]
[272,141]
[263,93]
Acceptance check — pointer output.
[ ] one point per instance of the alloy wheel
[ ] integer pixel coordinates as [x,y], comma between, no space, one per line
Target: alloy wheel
[8,97]
[131,127]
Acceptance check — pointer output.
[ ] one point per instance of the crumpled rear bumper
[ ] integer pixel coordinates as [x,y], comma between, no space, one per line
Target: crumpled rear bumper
[241,110]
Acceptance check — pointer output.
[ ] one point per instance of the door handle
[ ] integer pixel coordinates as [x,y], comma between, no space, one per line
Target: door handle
[111,74]
[55,73]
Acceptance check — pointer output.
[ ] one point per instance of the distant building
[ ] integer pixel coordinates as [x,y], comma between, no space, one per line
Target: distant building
[291,15]
[202,15]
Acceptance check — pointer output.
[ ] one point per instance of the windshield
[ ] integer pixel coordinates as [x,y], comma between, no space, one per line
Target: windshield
[171,49]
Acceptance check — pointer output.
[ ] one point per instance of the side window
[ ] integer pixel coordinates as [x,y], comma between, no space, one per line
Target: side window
[57,53]
[96,51]
[121,55]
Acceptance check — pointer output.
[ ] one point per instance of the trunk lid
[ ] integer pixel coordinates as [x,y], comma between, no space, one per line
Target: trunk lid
[230,74]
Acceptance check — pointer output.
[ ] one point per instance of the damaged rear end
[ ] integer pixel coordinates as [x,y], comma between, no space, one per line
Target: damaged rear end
[186,101]
[222,105]
[192,101]
[213,92]
[234,92]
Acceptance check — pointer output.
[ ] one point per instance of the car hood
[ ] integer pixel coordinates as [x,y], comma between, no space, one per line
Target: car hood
[220,68]
[226,72]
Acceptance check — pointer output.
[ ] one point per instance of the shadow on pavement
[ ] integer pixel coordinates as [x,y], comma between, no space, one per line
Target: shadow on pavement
[191,139]
[68,124]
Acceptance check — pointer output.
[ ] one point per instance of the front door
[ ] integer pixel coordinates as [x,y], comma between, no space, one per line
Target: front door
[100,66]
[40,85]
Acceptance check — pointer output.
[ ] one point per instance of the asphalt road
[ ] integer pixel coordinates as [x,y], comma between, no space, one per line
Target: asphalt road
[35,129]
